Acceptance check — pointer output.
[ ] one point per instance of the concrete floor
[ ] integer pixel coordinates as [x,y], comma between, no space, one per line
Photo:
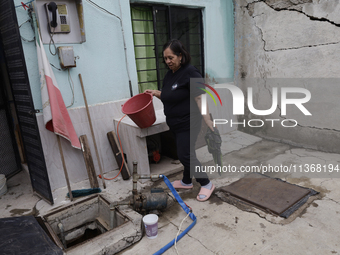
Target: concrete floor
[223,228]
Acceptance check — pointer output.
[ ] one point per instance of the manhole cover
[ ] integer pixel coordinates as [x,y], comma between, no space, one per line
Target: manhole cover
[267,193]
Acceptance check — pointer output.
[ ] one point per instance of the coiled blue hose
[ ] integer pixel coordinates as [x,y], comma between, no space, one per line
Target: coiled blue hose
[185,208]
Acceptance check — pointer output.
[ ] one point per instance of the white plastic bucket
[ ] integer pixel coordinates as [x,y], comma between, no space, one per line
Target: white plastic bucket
[151,225]
[3,185]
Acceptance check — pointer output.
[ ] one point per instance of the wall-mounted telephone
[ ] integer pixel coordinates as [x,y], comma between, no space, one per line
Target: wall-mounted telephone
[57,16]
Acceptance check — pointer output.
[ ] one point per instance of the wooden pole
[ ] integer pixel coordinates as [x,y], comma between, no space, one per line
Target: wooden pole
[94,138]
[64,167]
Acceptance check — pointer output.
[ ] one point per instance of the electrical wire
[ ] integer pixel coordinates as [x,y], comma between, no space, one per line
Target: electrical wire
[122,153]
[51,40]
[55,67]
[179,230]
[102,9]
[71,86]
[26,40]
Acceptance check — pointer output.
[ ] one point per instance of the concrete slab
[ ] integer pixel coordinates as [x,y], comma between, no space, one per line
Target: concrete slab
[19,199]
[223,228]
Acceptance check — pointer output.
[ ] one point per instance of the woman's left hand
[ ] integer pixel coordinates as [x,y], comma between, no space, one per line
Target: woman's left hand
[210,124]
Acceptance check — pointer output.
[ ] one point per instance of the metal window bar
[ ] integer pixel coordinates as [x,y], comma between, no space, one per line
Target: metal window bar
[141,19]
[144,45]
[169,24]
[146,82]
[202,43]
[156,46]
[146,58]
[142,33]
[147,70]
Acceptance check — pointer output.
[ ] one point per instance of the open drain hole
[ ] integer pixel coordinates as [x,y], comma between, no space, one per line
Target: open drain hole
[80,223]
[82,233]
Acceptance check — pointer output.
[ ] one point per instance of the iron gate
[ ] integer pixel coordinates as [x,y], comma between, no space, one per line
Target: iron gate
[9,155]
[21,91]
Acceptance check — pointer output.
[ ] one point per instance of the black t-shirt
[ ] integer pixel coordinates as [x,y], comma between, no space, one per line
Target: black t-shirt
[179,104]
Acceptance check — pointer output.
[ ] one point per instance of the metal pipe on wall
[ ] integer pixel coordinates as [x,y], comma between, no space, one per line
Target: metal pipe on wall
[125,51]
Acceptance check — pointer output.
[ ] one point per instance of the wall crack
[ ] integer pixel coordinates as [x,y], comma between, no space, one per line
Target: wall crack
[323,129]
[333,200]
[310,16]
[307,156]
[313,18]
[302,47]
[201,243]
[250,8]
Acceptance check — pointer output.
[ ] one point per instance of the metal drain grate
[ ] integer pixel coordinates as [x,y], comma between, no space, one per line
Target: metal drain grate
[267,193]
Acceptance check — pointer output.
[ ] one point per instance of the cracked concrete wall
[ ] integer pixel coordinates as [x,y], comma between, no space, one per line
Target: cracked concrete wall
[291,43]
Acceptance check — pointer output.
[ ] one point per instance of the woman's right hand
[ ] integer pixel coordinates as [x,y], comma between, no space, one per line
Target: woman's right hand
[153,92]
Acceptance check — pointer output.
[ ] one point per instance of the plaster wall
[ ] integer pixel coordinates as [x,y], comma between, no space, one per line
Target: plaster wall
[106,72]
[281,44]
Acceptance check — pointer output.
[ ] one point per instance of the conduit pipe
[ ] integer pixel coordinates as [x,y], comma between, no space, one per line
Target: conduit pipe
[185,208]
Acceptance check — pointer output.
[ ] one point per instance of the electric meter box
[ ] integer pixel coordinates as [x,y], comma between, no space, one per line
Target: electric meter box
[63,21]
[66,56]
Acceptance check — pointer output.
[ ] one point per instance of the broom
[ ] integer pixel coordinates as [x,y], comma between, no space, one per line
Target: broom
[84,192]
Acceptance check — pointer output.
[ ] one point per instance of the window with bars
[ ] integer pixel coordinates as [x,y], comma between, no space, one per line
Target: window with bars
[152,27]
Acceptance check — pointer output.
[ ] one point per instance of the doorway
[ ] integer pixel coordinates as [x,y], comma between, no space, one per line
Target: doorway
[9,153]
[20,98]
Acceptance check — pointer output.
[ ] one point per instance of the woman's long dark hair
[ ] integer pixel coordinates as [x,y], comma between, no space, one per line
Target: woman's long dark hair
[178,48]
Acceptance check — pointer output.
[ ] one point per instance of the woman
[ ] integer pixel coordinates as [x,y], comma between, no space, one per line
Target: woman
[182,109]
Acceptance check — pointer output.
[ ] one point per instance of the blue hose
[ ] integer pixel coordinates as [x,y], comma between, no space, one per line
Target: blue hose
[185,208]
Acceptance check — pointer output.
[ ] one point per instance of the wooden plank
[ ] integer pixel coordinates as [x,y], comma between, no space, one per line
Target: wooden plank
[118,155]
[64,167]
[91,171]
[92,132]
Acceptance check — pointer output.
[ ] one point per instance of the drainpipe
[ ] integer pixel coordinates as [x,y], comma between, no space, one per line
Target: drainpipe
[126,58]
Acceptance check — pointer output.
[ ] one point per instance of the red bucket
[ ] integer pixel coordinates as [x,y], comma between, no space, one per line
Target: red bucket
[140,109]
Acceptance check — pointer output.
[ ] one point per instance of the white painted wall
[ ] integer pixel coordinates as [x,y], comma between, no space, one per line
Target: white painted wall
[102,64]
[101,58]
